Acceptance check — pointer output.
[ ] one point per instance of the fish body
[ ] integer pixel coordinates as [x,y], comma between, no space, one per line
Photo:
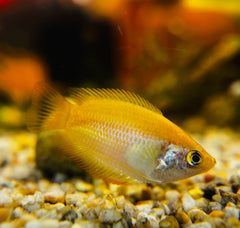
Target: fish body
[118,136]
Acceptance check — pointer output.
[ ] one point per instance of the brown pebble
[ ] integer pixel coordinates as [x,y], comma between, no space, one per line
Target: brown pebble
[197,215]
[233,222]
[4,213]
[169,222]
[217,198]
[183,218]
[209,177]
[214,206]
[217,214]
[158,193]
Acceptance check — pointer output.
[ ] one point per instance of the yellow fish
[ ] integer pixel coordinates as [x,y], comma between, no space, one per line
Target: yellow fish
[118,136]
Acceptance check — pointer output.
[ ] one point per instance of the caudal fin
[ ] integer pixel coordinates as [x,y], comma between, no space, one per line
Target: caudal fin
[49,110]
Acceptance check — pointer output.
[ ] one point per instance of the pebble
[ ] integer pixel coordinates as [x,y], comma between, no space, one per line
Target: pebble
[83,187]
[53,223]
[231,212]
[68,187]
[86,224]
[217,198]
[65,224]
[5,197]
[234,179]
[197,215]
[146,221]
[229,197]
[109,216]
[145,206]
[76,198]
[54,196]
[217,214]
[196,193]
[121,224]
[34,223]
[158,193]
[183,219]
[27,200]
[201,225]
[233,222]
[18,212]
[188,202]
[39,197]
[202,203]
[169,222]
[70,215]
[163,206]
[159,212]
[4,214]
[209,177]
[223,188]
[41,213]
[214,206]
[199,202]
[43,185]
[173,198]
[216,222]
[90,213]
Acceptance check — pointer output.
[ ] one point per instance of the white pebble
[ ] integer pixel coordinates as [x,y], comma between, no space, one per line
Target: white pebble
[188,202]
[34,223]
[39,197]
[54,196]
[231,212]
[65,224]
[173,198]
[41,213]
[5,197]
[18,212]
[172,195]
[27,200]
[8,225]
[201,225]
[50,223]
[73,198]
[76,226]
[109,215]
[145,220]
[86,224]
[120,224]
[144,207]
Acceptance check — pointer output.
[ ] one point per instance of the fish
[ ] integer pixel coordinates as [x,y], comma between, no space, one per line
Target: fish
[117,136]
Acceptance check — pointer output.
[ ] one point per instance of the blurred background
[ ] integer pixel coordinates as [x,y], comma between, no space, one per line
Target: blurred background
[182,55]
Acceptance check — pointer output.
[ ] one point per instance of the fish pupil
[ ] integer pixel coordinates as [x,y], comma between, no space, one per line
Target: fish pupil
[196,158]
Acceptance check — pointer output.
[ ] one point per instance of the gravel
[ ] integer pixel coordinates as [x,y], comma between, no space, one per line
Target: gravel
[28,199]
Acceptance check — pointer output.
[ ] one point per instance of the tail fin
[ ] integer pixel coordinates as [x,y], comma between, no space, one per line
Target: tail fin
[49,110]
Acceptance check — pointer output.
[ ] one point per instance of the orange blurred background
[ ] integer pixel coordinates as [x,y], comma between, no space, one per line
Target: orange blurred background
[182,55]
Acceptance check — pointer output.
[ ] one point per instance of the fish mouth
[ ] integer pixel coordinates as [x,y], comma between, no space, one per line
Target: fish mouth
[214,161]
[211,162]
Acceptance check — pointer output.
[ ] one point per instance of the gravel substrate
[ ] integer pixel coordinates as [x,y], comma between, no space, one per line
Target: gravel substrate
[27,199]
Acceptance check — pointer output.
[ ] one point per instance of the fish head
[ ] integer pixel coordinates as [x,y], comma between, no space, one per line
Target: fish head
[177,163]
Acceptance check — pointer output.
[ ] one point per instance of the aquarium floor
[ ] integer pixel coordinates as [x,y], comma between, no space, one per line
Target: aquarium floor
[27,199]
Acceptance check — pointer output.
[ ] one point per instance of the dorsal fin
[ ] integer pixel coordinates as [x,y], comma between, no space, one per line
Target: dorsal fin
[80,95]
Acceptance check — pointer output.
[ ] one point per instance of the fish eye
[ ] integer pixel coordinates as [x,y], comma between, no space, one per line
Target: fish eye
[194,158]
